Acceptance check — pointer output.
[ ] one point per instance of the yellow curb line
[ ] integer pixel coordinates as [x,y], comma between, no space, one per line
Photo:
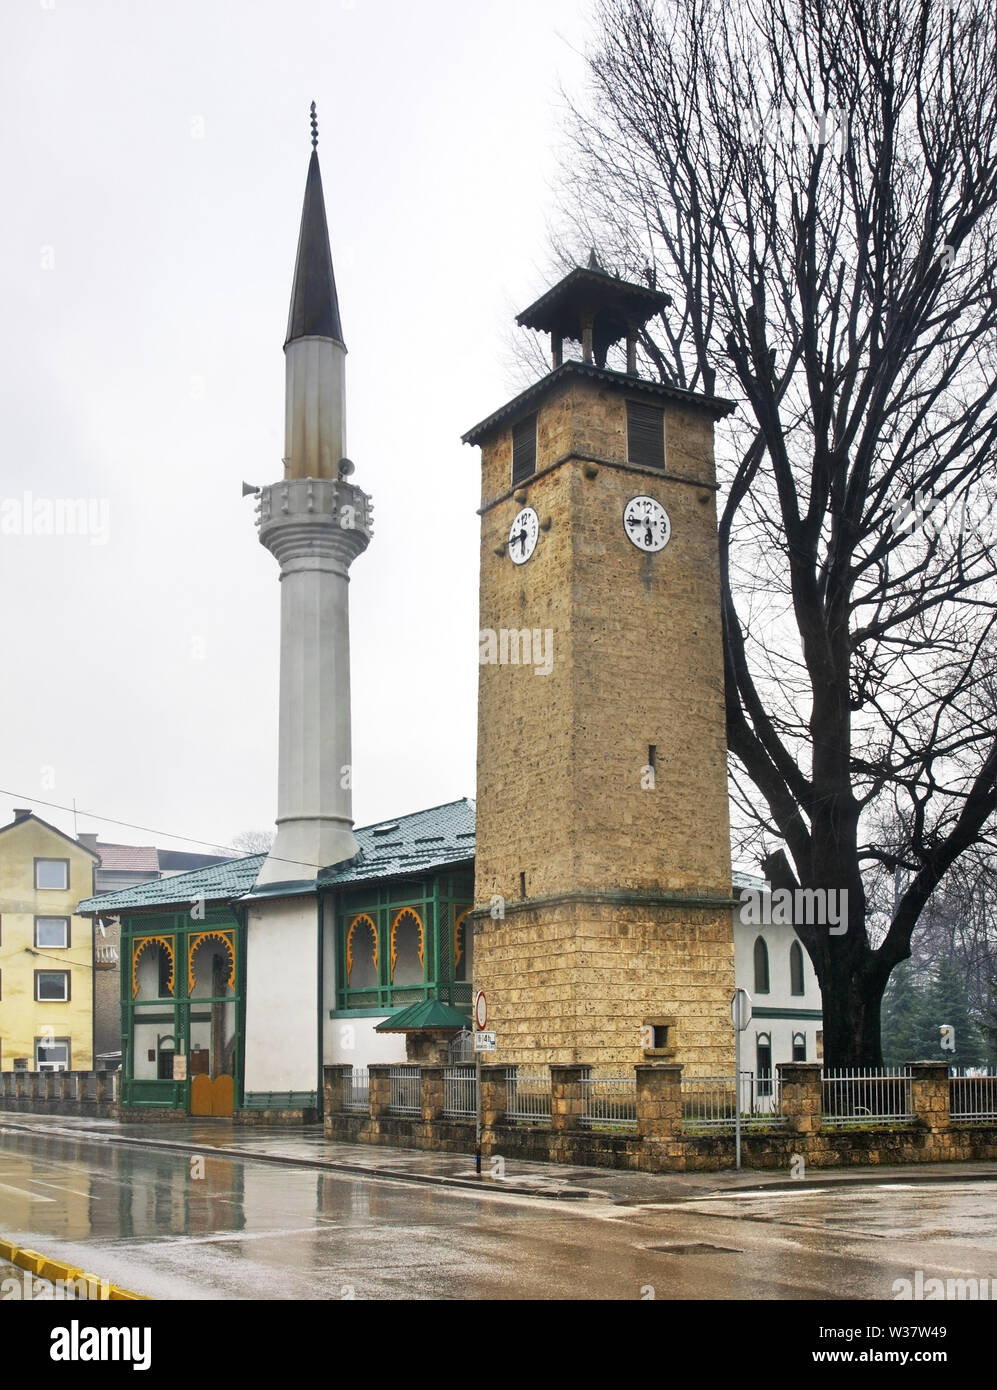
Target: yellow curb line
[44,1268]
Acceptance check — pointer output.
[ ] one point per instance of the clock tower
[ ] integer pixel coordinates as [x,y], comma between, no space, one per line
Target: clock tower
[603,901]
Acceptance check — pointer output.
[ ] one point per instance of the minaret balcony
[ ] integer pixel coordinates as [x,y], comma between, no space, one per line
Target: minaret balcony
[311,516]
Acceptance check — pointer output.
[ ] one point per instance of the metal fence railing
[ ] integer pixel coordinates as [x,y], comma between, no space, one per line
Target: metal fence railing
[609,1102]
[972,1093]
[406,1091]
[461,1047]
[356,1090]
[460,1091]
[712,1102]
[861,1095]
[527,1097]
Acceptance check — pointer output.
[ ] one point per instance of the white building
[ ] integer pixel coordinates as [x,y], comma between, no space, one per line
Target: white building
[771,963]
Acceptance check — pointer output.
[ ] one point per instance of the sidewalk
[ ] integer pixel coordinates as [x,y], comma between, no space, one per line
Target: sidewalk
[306,1146]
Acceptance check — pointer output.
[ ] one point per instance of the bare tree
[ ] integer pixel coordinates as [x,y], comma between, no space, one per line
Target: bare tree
[814,183]
[253,841]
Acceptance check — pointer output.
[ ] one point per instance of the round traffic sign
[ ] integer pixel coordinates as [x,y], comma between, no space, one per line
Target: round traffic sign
[480,1009]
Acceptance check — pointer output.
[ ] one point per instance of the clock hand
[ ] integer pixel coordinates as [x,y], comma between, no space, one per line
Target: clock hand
[648,538]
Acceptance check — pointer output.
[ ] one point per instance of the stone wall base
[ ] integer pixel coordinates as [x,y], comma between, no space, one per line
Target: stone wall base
[772,1150]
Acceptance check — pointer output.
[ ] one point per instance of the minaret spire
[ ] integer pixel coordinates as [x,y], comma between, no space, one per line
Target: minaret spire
[314,302]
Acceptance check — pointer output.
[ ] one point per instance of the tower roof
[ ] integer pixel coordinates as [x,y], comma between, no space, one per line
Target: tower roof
[314,302]
[589,293]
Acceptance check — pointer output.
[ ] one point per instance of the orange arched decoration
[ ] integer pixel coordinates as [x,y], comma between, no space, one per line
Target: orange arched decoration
[227,939]
[406,912]
[167,944]
[369,922]
[458,937]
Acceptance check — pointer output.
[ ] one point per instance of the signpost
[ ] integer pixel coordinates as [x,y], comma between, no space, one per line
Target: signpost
[488,1045]
[740,1016]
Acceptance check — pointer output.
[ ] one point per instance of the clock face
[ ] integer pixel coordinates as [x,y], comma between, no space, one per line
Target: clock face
[646,523]
[523,535]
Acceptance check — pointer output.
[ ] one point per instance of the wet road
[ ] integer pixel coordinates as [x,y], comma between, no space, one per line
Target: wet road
[222,1228]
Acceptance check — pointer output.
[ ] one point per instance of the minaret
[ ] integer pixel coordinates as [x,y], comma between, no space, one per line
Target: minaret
[315,523]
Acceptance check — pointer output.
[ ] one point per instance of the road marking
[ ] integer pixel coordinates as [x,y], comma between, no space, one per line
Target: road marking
[23,1192]
[758,1196]
[60,1188]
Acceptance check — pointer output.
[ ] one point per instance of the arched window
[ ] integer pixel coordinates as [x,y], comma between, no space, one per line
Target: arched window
[361,952]
[153,968]
[799,1047]
[211,964]
[761,966]
[796,982]
[763,1061]
[407,948]
[462,942]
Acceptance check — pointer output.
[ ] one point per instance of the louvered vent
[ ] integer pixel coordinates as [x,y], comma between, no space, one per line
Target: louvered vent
[524,449]
[645,434]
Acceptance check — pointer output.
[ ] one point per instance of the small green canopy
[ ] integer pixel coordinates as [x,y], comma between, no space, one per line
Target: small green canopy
[428,1013]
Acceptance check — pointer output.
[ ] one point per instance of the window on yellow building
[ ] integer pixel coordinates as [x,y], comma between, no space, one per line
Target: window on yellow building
[52,931]
[52,873]
[52,986]
[52,1054]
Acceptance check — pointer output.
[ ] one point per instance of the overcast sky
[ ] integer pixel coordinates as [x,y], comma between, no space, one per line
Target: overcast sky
[153,163]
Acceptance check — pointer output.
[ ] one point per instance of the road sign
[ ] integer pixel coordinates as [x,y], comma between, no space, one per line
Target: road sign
[485,1042]
[740,1009]
[480,1009]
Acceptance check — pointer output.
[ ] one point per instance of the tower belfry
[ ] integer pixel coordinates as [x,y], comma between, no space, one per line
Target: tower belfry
[602,861]
[594,309]
[315,523]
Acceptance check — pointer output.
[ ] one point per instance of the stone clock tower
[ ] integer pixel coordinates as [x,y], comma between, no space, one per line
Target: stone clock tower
[603,878]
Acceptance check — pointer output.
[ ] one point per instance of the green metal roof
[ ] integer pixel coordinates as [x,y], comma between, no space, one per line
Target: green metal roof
[437,838]
[216,883]
[428,1013]
[409,845]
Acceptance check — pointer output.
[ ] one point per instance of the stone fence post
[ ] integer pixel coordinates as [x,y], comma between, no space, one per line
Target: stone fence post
[334,1081]
[493,1094]
[802,1104]
[567,1098]
[929,1094]
[380,1089]
[432,1093]
[659,1100]
[105,1089]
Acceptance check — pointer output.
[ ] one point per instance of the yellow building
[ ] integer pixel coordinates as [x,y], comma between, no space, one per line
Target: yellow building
[46,951]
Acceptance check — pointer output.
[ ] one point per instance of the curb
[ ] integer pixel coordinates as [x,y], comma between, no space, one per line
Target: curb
[42,1267]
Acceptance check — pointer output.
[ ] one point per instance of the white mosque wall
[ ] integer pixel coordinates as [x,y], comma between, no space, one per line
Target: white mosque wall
[282,996]
[353,1041]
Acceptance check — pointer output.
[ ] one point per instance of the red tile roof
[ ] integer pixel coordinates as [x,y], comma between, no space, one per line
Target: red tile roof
[131,858]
